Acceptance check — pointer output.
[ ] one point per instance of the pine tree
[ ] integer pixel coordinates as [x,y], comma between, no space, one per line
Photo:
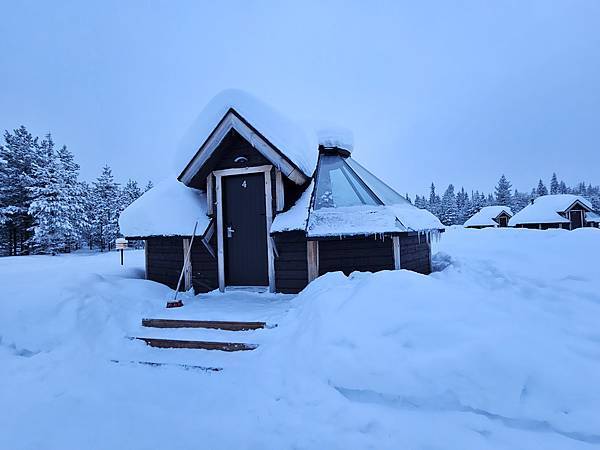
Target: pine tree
[520,201]
[50,205]
[541,189]
[130,193]
[433,205]
[73,192]
[105,197]
[149,186]
[562,188]
[554,184]
[19,154]
[407,197]
[463,205]
[448,210]
[503,192]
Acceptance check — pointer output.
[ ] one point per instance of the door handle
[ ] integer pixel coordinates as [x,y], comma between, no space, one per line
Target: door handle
[230,232]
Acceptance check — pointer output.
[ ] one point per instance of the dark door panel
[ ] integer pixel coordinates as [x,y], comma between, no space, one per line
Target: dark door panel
[244,230]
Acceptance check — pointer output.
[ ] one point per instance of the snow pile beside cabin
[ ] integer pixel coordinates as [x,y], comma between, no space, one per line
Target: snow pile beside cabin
[168,209]
[300,147]
[486,215]
[506,334]
[497,350]
[546,209]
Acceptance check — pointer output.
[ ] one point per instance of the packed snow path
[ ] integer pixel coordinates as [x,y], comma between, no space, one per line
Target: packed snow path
[500,349]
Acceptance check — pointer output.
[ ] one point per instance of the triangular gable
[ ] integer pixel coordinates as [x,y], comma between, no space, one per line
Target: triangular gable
[506,213]
[575,203]
[233,120]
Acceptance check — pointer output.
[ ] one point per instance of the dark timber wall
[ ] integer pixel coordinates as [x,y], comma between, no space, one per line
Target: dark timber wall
[291,267]
[164,260]
[364,254]
[414,254]
[205,275]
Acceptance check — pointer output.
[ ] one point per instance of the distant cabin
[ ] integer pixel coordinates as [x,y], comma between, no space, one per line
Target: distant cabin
[274,207]
[565,211]
[490,216]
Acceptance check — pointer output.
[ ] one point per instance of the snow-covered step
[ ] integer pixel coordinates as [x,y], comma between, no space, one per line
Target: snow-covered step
[202,345]
[211,324]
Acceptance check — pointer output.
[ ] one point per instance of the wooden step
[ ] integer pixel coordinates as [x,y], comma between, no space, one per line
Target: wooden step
[202,345]
[213,324]
[161,364]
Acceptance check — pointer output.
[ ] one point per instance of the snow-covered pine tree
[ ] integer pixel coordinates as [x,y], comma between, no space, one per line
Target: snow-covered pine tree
[502,192]
[149,186]
[86,223]
[433,205]
[520,200]
[554,184]
[407,197]
[130,193]
[541,189]
[18,155]
[74,197]
[448,210]
[562,188]
[462,205]
[420,202]
[52,223]
[105,197]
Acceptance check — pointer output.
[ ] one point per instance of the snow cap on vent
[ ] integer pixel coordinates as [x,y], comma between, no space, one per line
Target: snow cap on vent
[334,137]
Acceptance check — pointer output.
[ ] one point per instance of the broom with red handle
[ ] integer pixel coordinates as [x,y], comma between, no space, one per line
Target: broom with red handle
[178,303]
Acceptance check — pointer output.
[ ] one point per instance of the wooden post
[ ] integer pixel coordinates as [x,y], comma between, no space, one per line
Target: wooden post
[396,244]
[187,262]
[209,195]
[312,257]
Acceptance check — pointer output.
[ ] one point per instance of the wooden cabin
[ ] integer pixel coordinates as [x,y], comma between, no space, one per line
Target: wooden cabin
[490,216]
[273,206]
[565,211]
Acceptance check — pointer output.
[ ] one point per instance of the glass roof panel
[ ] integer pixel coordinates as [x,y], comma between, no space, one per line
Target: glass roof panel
[338,185]
[385,193]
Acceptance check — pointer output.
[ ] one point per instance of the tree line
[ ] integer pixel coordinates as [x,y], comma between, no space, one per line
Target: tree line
[454,208]
[46,209]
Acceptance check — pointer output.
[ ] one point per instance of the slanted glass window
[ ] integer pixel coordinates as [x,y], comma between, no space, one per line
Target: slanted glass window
[338,185]
[385,193]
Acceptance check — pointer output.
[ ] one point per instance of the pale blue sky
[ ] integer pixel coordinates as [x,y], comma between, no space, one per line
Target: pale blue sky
[445,91]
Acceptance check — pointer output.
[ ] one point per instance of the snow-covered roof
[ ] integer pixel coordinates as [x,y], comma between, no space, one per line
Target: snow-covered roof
[295,218]
[592,217]
[342,213]
[300,147]
[486,215]
[546,209]
[168,209]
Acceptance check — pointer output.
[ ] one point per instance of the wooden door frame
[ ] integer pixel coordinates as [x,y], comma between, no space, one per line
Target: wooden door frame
[219,174]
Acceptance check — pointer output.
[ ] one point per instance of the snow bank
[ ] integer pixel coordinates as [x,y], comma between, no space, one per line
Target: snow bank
[301,148]
[498,351]
[507,332]
[545,209]
[168,209]
[486,215]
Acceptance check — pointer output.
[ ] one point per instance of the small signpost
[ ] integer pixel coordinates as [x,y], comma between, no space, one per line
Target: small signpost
[121,244]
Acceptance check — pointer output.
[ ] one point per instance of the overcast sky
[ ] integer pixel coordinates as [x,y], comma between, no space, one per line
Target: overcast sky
[455,92]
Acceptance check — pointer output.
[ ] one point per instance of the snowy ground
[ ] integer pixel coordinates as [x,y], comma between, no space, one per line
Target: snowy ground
[500,349]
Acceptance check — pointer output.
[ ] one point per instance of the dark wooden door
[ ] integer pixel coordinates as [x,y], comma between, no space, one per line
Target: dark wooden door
[576,219]
[244,230]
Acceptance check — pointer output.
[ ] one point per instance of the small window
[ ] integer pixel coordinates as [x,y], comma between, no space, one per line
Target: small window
[338,185]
